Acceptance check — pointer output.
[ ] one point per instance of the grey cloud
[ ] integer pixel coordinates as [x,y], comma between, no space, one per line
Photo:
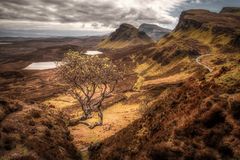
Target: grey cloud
[95,25]
[70,11]
[99,13]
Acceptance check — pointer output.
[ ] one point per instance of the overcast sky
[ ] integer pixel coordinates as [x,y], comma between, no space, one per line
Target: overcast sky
[98,15]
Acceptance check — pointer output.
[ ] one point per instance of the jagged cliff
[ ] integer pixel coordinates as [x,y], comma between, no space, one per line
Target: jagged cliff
[221,30]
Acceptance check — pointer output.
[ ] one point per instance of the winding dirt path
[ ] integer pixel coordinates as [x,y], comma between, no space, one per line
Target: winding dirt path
[198,60]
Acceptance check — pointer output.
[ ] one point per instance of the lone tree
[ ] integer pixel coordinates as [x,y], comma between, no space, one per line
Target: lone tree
[89,79]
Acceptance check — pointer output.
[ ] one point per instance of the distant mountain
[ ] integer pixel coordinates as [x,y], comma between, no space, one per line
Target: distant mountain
[233,10]
[126,35]
[49,33]
[154,31]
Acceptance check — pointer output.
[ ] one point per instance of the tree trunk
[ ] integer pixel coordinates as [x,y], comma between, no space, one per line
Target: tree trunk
[100,115]
[86,113]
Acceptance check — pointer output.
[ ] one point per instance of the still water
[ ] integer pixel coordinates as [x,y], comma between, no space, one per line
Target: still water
[52,64]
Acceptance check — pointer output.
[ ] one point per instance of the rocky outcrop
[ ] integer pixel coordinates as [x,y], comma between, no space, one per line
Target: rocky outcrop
[206,20]
[234,10]
[221,30]
[128,32]
[188,19]
[154,31]
[126,35]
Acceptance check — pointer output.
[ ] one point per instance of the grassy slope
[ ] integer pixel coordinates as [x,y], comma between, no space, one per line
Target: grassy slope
[106,44]
[166,129]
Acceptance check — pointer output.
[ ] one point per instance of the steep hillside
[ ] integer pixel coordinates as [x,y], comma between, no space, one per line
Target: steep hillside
[220,31]
[194,121]
[198,33]
[125,36]
[33,132]
[190,83]
[154,31]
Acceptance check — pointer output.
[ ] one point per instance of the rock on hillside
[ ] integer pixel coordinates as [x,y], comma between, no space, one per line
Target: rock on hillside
[126,35]
[154,31]
[29,132]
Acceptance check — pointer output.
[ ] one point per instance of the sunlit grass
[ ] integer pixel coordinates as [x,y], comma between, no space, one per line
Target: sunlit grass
[152,69]
[107,44]
[115,118]
[129,94]
[170,79]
